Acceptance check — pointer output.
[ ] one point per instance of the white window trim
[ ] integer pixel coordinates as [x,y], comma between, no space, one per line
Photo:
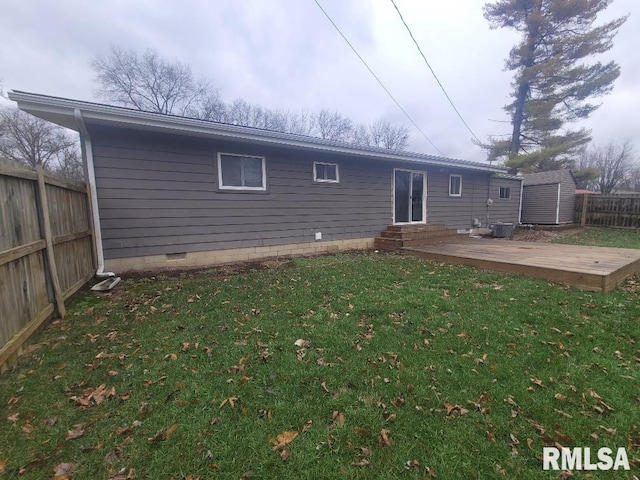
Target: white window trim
[459,194]
[321,180]
[231,187]
[504,198]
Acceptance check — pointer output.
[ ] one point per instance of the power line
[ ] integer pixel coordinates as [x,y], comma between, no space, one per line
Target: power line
[434,73]
[376,77]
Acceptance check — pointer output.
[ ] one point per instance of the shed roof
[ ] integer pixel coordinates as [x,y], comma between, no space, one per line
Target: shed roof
[547,178]
[70,113]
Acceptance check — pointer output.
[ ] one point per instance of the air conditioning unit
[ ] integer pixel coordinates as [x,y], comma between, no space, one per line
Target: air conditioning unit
[503,230]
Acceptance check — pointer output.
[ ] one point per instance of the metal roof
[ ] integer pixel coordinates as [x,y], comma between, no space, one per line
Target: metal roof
[65,111]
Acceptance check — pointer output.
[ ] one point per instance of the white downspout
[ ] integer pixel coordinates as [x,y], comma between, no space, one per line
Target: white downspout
[91,175]
[520,206]
[558,206]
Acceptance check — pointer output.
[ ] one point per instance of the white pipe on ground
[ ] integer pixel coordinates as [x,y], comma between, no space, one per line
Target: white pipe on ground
[85,139]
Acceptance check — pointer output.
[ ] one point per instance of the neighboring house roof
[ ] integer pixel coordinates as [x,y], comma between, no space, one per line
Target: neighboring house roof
[71,113]
[547,178]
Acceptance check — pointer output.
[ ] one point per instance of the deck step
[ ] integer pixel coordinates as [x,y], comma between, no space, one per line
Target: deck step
[399,236]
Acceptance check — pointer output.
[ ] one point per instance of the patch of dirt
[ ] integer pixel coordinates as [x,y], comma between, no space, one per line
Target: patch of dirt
[226,270]
[542,236]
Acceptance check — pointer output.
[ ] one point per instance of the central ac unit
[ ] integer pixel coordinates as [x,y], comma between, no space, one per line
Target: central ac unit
[503,230]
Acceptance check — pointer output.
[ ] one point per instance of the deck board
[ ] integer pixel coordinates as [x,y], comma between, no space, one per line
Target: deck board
[589,268]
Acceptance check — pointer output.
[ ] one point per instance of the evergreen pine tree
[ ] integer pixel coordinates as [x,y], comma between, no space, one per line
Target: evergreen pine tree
[552,83]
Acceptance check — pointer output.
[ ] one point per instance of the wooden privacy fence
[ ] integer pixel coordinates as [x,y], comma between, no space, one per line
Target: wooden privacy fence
[622,211]
[46,252]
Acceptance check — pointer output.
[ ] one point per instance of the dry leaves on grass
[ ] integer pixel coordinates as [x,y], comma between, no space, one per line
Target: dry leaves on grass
[163,435]
[77,432]
[383,438]
[92,397]
[64,471]
[283,439]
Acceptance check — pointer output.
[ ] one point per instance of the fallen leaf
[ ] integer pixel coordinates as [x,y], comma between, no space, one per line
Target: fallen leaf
[283,439]
[363,462]
[3,465]
[491,436]
[170,430]
[302,343]
[284,454]
[610,431]
[559,396]
[27,428]
[50,421]
[76,433]
[124,474]
[323,384]
[64,470]
[307,426]
[338,418]
[13,418]
[383,438]
[231,401]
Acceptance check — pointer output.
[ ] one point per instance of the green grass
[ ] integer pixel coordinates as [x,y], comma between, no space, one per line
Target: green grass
[603,237]
[466,373]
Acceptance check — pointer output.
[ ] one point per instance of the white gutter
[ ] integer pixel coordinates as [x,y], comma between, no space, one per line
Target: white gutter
[93,195]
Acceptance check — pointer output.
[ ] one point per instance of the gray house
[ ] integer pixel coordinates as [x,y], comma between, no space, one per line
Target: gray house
[174,191]
[548,198]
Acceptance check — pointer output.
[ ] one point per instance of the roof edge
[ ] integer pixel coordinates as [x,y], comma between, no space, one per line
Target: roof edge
[62,112]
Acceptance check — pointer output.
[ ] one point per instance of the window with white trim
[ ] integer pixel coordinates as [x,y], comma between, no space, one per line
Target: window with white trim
[325,172]
[241,172]
[455,185]
[505,192]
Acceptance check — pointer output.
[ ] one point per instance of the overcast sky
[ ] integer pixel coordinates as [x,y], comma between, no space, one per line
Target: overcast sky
[286,54]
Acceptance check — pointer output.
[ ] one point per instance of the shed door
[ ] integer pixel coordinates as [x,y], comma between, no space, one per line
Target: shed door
[409,197]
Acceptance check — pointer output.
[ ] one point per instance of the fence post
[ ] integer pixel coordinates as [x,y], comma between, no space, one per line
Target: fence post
[48,237]
[583,217]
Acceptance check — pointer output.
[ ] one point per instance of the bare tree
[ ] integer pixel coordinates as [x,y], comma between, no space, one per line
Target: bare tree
[385,135]
[32,141]
[332,125]
[613,160]
[360,135]
[151,83]
[632,182]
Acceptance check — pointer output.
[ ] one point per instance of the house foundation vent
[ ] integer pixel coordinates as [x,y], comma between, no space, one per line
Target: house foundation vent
[503,230]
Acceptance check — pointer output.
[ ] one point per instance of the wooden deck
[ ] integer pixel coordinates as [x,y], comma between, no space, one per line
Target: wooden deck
[587,268]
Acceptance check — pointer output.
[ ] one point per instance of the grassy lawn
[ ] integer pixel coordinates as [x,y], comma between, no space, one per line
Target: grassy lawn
[346,366]
[603,237]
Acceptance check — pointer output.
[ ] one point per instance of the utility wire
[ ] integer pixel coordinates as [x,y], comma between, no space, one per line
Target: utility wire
[434,73]
[377,79]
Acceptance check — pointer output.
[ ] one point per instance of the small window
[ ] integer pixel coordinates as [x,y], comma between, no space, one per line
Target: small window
[505,192]
[241,172]
[325,172]
[455,185]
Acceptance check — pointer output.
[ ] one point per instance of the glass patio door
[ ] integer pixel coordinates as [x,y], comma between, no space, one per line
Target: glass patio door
[409,196]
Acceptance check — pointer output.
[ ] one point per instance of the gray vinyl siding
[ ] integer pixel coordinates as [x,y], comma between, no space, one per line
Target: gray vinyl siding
[159,195]
[505,209]
[477,187]
[455,212]
[567,200]
[539,204]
